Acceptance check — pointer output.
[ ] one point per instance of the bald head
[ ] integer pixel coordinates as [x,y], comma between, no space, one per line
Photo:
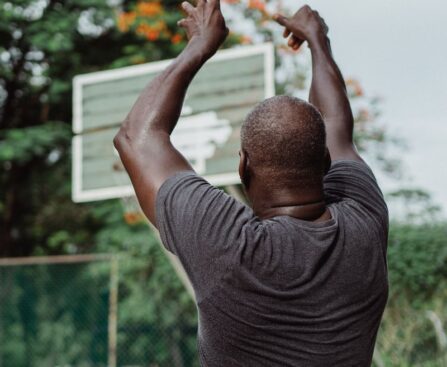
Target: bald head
[285,141]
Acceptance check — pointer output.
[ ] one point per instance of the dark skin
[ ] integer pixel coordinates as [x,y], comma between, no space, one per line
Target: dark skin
[328,90]
[144,144]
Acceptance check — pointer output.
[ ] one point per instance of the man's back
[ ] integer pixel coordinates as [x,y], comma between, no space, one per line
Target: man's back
[282,291]
[276,284]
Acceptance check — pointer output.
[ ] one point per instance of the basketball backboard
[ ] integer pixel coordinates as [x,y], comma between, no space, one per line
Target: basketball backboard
[218,100]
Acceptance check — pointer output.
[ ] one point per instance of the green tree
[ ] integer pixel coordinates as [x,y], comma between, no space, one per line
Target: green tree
[43,44]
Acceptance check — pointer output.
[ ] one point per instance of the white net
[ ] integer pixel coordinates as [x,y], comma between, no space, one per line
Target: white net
[132,212]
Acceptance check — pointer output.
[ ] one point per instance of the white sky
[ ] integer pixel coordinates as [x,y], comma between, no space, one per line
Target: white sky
[398,50]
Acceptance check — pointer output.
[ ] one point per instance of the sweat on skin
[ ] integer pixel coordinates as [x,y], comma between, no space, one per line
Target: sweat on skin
[298,277]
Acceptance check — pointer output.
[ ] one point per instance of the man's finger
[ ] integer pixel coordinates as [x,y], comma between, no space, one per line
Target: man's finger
[201,3]
[187,7]
[215,3]
[281,19]
[295,42]
[298,43]
[181,23]
[291,42]
[286,33]
[296,46]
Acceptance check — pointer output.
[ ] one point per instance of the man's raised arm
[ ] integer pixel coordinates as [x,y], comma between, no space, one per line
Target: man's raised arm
[143,141]
[328,89]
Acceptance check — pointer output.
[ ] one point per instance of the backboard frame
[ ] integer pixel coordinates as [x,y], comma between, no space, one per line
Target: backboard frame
[80,195]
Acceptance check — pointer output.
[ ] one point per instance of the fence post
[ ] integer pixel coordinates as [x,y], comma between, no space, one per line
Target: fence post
[113,312]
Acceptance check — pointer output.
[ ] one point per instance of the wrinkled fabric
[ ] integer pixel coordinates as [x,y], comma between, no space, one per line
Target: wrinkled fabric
[282,291]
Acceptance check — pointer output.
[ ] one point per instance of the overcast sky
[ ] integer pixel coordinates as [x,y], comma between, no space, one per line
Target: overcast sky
[398,50]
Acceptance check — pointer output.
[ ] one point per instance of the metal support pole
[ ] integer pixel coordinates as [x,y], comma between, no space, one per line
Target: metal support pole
[113,312]
[175,262]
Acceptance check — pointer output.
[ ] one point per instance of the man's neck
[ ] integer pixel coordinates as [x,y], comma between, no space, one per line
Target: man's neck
[305,204]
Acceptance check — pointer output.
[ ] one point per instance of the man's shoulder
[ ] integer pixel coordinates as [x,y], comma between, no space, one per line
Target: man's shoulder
[352,188]
[354,182]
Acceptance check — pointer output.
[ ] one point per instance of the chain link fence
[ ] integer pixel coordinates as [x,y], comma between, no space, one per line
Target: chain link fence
[78,311]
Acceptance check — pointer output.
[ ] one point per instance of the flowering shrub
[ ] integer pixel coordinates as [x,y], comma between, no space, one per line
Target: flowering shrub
[250,22]
[147,19]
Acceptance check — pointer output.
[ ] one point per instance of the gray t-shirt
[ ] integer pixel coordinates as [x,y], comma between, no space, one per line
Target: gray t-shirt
[282,291]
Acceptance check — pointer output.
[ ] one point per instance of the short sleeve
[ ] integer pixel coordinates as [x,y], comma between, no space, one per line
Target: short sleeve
[203,226]
[355,182]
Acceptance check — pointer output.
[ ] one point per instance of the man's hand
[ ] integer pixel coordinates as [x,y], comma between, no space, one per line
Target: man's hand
[144,142]
[305,25]
[205,26]
[328,90]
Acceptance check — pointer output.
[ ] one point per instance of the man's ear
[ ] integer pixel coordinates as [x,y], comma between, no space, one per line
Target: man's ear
[327,162]
[244,172]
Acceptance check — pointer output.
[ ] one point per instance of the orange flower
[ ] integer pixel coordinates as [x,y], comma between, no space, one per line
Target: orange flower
[149,9]
[245,40]
[142,29]
[349,81]
[355,87]
[159,26]
[176,39]
[125,20]
[257,4]
[358,91]
[151,33]
[364,114]
[132,218]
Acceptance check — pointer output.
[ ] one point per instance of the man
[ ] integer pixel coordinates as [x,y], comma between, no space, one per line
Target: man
[300,278]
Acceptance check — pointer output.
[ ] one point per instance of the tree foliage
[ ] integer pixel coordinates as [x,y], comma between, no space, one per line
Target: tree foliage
[417,258]
[43,45]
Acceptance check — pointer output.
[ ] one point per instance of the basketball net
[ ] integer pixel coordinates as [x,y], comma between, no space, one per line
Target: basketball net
[132,212]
